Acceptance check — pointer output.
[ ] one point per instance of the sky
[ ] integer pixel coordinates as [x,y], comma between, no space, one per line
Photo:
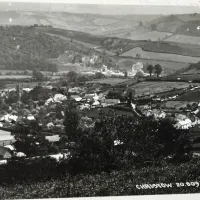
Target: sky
[119,2]
[106,7]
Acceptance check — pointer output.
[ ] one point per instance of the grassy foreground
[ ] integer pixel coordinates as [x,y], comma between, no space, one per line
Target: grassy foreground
[113,184]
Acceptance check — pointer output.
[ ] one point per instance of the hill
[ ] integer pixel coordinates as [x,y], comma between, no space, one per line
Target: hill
[121,46]
[129,26]
[27,48]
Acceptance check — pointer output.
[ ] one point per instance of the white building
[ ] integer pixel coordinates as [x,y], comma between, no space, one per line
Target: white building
[9,118]
[138,67]
[183,124]
[58,98]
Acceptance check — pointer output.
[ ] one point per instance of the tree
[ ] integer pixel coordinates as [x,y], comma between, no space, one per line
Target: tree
[71,76]
[150,69]
[139,75]
[126,74]
[37,75]
[11,98]
[29,139]
[153,27]
[52,68]
[71,121]
[39,93]
[99,75]
[25,72]
[158,69]
[144,141]
[138,55]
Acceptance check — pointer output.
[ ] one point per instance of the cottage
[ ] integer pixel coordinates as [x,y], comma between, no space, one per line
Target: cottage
[58,98]
[9,118]
[76,98]
[53,138]
[5,153]
[183,124]
[89,97]
[111,101]
[30,117]
[27,89]
[159,114]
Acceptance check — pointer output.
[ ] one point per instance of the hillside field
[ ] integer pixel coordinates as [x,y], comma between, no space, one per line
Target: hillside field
[184,39]
[111,81]
[151,35]
[146,88]
[168,66]
[124,45]
[190,96]
[161,56]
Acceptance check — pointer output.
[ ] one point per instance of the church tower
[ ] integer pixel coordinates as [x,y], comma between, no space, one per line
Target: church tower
[19,91]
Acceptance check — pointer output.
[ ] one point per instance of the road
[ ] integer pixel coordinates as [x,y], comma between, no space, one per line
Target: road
[86,45]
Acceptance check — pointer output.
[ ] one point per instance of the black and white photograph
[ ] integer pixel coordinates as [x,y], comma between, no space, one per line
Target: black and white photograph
[99,98]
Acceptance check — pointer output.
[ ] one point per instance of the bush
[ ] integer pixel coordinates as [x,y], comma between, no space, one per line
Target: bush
[116,183]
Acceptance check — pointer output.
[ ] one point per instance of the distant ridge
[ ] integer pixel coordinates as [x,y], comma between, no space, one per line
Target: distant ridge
[100,9]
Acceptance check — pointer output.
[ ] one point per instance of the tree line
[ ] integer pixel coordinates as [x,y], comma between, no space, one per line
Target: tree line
[157,69]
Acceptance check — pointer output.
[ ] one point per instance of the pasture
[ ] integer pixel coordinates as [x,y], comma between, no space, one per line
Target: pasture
[150,35]
[14,77]
[111,81]
[173,48]
[25,85]
[190,96]
[184,39]
[195,77]
[170,26]
[125,45]
[153,87]
[189,28]
[161,56]
[176,104]
[104,21]
[168,67]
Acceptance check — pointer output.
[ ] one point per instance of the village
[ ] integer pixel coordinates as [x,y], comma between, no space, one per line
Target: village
[46,105]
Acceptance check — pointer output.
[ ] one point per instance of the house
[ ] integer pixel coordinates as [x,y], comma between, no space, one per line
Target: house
[183,124]
[19,154]
[27,89]
[12,148]
[96,103]
[158,114]
[76,98]
[49,125]
[90,97]
[147,113]
[118,142]
[30,117]
[58,98]
[84,106]
[53,138]
[111,101]
[5,153]
[48,87]
[9,118]
[6,137]
[75,90]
